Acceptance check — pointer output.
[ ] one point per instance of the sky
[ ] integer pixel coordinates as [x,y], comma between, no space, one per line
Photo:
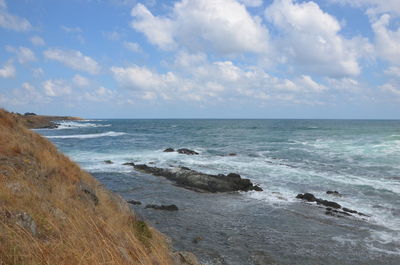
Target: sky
[201,58]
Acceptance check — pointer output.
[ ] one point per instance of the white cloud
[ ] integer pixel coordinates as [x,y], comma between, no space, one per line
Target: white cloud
[344,84]
[311,39]
[196,79]
[100,94]
[74,59]
[159,31]
[132,46]
[55,88]
[8,70]
[80,81]
[391,89]
[224,27]
[387,42]
[393,71]
[12,22]
[24,55]
[37,41]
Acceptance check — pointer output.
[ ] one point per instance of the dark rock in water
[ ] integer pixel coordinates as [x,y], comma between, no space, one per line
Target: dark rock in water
[306,196]
[186,151]
[201,182]
[197,239]
[257,188]
[134,202]
[232,154]
[108,162]
[152,163]
[349,210]
[171,207]
[328,203]
[129,164]
[169,150]
[334,192]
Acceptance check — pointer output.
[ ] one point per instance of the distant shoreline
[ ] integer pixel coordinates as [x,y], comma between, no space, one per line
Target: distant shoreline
[33,121]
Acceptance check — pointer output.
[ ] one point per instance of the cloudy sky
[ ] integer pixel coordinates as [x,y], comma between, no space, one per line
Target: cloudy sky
[201,58]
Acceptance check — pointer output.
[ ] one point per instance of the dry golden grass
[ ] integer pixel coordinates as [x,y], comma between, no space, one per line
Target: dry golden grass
[77,220]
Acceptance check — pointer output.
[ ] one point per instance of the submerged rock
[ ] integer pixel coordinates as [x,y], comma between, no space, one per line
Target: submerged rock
[171,207]
[186,151]
[334,192]
[169,150]
[129,164]
[201,182]
[329,204]
[134,202]
[108,162]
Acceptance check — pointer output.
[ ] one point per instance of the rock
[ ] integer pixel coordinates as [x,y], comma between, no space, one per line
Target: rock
[184,258]
[129,164]
[201,182]
[169,150]
[349,210]
[89,192]
[306,196]
[171,207]
[257,188]
[134,202]
[329,203]
[22,219]
[108,162]
[197,239]
[333,193]
[311,198]
[186,151]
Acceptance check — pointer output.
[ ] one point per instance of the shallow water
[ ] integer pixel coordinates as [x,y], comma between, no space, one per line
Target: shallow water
[360,159]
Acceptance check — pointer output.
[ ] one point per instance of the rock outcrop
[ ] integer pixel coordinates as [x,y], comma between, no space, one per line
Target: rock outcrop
[171,207]
[186,151]
[201,182]
[333,208]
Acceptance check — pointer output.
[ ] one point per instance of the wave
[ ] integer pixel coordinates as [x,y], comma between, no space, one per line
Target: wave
[79,124]
[87,136]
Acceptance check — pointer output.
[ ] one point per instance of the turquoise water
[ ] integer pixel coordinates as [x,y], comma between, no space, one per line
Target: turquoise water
[360,159]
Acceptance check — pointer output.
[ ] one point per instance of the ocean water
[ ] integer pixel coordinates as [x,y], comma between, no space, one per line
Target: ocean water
[360,159]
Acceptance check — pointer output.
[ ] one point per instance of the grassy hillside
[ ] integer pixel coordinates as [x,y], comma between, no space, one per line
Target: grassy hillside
[52,212]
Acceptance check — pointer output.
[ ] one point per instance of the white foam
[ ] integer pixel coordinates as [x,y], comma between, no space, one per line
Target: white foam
[87,136]
[79,124]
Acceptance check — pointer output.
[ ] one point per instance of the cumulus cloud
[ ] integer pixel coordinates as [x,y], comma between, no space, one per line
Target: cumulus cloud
[8,70]
[197,79]
[37,41]
[24,55]
[12,22]
[387,42]
[73,59]
[310,38]
[55,88]
[224,27]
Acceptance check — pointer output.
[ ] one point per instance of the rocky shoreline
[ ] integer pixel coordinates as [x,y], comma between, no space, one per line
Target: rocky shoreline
[34,121]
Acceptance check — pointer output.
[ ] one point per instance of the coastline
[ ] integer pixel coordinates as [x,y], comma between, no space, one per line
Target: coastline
[53,212]
[33,121]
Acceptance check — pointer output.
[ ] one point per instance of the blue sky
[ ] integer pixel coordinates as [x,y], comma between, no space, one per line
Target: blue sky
[201,58]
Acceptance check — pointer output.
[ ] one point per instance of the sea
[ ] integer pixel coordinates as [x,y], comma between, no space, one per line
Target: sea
[358,158]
